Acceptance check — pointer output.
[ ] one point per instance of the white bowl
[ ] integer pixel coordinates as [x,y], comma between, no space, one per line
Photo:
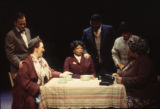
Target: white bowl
[85,77]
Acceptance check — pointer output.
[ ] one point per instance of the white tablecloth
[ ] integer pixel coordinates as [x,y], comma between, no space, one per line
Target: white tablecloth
[82,94]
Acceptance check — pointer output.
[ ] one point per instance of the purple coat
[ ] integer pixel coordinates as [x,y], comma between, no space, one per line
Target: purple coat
[86,66]
[140,79]
[26,87]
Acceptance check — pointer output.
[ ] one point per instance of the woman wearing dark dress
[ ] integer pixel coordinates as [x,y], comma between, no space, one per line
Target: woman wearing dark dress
[77,64]
[32,76]
[139,79]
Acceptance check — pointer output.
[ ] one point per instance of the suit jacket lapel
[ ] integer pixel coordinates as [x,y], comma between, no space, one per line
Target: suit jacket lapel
[17,33]
[92,38]
[102,37]
[27,35]
[82,59]
[74,60]
[34,75]
[20,37]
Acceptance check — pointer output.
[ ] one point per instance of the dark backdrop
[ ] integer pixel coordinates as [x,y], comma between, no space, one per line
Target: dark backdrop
[58,22]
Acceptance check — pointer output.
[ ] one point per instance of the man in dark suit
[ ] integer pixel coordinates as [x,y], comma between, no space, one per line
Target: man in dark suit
[16,42]
[98,39]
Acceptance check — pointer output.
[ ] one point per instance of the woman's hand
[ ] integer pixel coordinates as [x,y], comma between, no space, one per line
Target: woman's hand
[119,80]
[117,77]
[65,74]
[92,77]
[115,74]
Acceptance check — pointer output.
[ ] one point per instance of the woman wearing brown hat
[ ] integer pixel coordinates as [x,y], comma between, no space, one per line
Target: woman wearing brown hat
[32,76]
[139,79]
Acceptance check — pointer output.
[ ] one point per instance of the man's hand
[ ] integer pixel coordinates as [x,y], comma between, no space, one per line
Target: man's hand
[20,64]
[86,55]
[40,88]
[121,66]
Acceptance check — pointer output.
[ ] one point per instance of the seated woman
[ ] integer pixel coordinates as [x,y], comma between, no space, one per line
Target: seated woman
[77,64]
[32,76]
[139,79]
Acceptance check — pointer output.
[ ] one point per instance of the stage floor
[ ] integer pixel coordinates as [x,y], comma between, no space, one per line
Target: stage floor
[5,99]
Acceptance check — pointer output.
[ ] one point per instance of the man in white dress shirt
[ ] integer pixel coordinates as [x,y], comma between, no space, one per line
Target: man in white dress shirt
[16,42]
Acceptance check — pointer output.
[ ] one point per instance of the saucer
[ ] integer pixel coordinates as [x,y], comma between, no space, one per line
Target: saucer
[62,80]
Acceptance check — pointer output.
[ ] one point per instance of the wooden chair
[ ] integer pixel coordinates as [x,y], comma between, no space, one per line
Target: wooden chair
[158,78]
[12,76]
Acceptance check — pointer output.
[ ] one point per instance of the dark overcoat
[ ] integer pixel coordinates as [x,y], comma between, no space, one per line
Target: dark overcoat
[26,87]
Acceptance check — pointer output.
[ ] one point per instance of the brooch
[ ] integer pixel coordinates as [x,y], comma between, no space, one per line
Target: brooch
[74,62]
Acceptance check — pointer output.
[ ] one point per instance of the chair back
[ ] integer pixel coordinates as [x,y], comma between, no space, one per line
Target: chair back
[12,77]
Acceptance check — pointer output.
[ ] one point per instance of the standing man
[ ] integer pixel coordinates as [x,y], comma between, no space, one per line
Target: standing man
[98,39]
[16,42]
[120,47]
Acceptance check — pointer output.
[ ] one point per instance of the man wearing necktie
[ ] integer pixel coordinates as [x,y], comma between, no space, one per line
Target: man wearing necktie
[98,39]
[16,42]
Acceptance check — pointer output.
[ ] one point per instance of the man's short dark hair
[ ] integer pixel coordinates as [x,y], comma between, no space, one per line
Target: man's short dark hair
[19,15]
[124,27]
[96,17]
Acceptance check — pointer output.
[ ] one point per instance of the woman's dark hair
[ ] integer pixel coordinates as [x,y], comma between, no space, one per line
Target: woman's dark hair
[138,45]
[75,43]
[34,43]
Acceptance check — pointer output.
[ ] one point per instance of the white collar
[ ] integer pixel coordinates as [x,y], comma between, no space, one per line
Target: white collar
[78,58]
[32,55]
